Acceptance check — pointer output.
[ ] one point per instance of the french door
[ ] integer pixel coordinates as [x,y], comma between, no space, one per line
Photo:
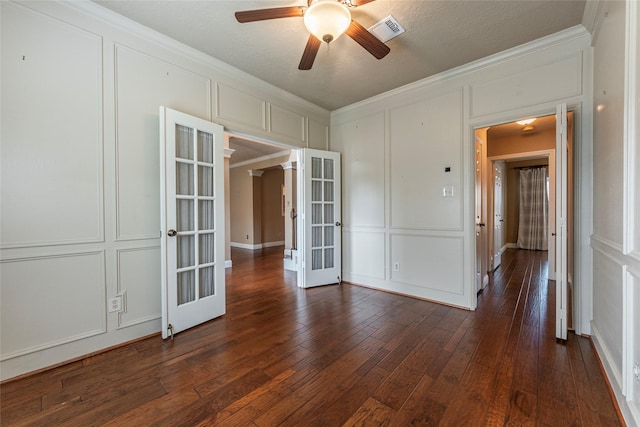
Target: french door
[319,217]
[498,210]
[562,294]
[192,220]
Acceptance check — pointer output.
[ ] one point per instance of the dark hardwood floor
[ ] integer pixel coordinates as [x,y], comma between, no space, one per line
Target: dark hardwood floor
[337,355]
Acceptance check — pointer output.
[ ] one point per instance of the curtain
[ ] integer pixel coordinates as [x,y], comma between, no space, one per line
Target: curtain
[184,214]
[206,219]
[534,208]
[200,157]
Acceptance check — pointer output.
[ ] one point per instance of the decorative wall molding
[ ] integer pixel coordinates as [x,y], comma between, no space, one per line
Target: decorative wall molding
[100,304]
[571,34]
[631,126]
[127,25]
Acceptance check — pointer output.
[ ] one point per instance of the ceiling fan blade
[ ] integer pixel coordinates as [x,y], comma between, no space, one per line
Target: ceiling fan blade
[360,2]
[367,40]
[272,13]
[310,52]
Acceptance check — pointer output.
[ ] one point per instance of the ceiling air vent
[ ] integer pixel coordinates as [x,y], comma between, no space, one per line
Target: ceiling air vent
[386,29]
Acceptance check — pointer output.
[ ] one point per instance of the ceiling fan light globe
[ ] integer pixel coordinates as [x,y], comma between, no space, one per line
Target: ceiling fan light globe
[327,19]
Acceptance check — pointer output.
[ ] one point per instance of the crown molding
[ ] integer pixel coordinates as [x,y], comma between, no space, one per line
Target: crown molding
[593,16]
[110,17]
[574,33]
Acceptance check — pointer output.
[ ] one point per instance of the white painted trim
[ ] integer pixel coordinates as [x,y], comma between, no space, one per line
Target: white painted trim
[630,136]
[613,250]
[525,155]
[118,21]
[606,358]
[228,263]
[564,36]
[228,152]
[260,159]
[627,333]
[511,246]
[257,246]
[592,18]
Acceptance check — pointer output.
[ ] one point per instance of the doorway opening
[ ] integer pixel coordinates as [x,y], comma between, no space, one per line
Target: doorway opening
[504,153]
[261,189]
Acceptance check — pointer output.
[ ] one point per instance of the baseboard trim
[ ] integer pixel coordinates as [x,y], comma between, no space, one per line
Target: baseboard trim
[79,358]
[623,409]
[610,390]
[257,246]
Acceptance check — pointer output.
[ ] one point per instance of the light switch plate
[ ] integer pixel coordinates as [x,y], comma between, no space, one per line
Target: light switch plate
[447,191]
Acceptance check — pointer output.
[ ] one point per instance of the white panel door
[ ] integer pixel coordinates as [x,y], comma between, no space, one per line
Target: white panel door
[192,217]
[498,219]
[480,225]
[321,236]
[561,222]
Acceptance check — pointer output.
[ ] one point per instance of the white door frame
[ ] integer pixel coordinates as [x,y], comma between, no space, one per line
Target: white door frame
[582,154]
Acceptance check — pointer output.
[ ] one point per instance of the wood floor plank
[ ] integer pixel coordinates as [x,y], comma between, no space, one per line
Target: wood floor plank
[337,355]
[371,413]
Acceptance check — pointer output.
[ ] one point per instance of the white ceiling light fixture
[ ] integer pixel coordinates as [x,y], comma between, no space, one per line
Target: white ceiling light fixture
[526,122]
[327,19]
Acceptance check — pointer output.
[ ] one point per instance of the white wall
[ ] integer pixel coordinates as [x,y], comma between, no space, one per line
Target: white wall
[616,247]
[79,220]
[400,233]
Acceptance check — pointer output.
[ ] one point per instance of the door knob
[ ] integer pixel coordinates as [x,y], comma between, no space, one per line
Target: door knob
[338,224]
[172,233]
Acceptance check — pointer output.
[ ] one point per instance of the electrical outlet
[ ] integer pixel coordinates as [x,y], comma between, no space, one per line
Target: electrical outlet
[396,266]
[115,304]
[636,372]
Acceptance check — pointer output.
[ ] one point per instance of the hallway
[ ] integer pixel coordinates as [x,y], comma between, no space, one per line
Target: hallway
[337,355]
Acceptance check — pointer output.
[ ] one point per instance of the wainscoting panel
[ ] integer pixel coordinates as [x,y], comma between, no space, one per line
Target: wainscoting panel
[318,134]
[425,140]
[607,316]
[553,81]
[361,143]
[139,283]
[53,300]
[363,253]
[51,163]
[235,107]
[143,83]
[286,125]
[633,336]
[430,262]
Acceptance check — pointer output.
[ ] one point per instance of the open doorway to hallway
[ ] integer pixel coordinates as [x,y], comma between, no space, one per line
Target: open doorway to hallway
[507,156]
[262,197]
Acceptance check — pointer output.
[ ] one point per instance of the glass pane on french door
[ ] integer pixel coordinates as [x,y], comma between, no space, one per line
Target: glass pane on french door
[322,213]
[195,206]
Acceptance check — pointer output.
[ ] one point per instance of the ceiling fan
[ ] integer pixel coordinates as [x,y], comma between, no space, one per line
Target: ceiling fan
[326,20]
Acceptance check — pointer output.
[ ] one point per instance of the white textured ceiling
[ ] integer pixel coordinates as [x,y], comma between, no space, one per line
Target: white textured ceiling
[440,35]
